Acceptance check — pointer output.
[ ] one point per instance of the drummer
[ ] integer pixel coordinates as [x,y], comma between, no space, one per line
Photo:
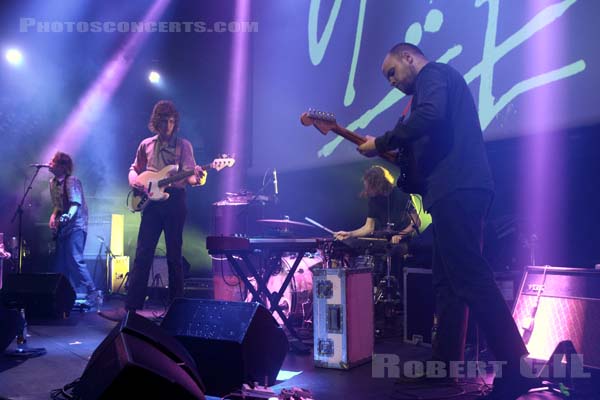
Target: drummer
[390,211]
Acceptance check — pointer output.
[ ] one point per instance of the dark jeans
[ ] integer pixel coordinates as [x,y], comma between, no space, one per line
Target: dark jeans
[167,216]
[69,259]
[463,281]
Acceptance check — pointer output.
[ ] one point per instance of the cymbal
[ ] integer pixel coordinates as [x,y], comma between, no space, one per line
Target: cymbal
[284,222]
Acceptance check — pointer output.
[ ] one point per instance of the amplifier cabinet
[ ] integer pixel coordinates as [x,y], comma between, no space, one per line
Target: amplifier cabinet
[342,317]
[419,306]
[558,304]
[119,267]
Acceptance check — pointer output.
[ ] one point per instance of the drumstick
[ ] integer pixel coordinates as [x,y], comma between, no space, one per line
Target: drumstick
[315,223]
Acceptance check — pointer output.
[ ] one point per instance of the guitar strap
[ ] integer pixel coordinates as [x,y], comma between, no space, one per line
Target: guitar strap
[65,198]
[178,151]
[406,109]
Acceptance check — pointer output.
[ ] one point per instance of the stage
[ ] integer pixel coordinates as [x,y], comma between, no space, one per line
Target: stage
[70,343]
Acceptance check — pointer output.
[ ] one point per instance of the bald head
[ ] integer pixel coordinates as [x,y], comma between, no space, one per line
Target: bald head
[401,66]
[406,47]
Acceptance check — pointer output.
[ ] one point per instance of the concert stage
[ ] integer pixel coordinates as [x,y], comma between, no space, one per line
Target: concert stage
[71,342]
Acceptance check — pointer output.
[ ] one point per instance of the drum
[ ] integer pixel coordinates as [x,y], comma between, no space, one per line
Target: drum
[298,294]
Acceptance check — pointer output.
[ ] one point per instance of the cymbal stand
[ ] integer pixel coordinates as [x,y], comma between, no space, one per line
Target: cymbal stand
[387,295]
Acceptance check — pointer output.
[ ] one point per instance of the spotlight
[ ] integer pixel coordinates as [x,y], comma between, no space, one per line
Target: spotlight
[14,56]
[154,77]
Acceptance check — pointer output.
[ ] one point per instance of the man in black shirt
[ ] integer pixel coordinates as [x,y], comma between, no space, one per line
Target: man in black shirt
[449,164]
[389,209]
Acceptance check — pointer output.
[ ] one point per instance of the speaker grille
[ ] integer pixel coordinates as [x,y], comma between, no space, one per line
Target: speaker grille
[563,313]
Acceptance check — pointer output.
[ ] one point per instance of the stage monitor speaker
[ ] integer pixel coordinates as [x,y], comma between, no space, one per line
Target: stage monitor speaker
[232,342]
[557,304]
[138,359]
[11,324]
[42,295]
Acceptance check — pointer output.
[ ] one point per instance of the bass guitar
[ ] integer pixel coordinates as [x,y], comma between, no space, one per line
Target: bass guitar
[403,158]
[155,183]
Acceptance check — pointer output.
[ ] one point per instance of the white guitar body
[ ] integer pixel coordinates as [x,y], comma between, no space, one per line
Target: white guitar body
[150,180]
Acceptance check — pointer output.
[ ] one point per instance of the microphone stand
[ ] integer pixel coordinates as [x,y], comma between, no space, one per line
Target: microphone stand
[19,213]
[255,196]
[23,350]
[110,254]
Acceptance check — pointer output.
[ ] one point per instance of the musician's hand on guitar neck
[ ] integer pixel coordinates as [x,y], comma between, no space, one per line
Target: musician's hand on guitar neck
[368,148]
[199,177]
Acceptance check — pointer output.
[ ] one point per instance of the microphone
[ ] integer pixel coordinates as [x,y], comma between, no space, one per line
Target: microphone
[275,182]
[40,165]
[100,238]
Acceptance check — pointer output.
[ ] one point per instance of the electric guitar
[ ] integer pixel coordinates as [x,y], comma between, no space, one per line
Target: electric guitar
[408,179]
[155,183]
[61,222]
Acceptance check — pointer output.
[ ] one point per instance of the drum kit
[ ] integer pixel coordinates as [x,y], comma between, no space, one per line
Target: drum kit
[373,252]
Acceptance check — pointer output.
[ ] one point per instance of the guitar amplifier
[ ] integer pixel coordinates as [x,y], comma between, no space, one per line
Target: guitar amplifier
[560,304]
[342,317]
[119,267]
[419,306]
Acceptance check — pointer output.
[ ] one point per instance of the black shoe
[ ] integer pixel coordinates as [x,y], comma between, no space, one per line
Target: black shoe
[94,299]
[114,315]
[512,388]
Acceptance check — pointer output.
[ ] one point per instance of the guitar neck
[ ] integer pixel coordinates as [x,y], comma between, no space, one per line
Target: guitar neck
[358,140]
[180,175]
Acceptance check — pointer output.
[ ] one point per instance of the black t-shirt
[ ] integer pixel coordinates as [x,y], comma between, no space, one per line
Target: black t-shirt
[393,208]
[444,134]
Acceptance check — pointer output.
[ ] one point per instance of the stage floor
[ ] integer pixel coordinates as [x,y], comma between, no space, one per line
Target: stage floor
[70,343]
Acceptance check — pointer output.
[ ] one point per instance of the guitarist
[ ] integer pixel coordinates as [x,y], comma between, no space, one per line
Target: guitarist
[446,140]
[153,154]
[69,223]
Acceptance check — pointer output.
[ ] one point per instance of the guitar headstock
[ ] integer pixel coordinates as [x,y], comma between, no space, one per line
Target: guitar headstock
[222,162]
[323,121]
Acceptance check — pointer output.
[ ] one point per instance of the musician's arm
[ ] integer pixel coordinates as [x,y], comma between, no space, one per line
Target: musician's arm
[411,228]
[75,194]
[132,177]
[188,163]
[364,230]
[427,114]
[138,166]
[72,211]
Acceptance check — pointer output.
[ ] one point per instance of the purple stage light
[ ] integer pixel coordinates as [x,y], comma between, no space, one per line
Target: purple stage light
[543,186]
[235,142]
[73,131]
